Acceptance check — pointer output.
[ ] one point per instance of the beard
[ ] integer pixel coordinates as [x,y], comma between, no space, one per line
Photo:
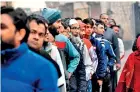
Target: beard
[45,44]
[76,39]
[53,31]
[5,45]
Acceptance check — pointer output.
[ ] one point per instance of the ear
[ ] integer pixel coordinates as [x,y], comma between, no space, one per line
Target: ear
[21,34]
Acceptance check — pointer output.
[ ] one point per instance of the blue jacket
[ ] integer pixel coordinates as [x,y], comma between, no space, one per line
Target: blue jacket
[109,53]
[100,51]
[25,71]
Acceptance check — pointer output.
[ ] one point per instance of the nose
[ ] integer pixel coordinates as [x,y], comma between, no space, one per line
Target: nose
[36,37]
[84,32]
[103,30]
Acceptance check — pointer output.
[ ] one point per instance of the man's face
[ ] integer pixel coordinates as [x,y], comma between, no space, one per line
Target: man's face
[75,29]
[60,29]
[116,29]
[89,29]
[94,26]
[82,29]
[105,19]
[100,29]
[49,37]
[111,22]
[36,36]
[8,31]
[57,24]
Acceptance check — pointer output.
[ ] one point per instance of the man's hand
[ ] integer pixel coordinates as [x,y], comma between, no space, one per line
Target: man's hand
[69,75]
[118,66]
[100,82]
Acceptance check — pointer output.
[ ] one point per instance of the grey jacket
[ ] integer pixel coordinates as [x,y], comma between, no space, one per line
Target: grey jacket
[111,36]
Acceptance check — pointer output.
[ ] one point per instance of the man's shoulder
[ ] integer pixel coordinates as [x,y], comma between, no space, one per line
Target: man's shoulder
[110,30]
[36,58]
[61,37]
[107,42]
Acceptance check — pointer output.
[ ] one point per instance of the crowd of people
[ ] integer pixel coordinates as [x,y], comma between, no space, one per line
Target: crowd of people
[47,53]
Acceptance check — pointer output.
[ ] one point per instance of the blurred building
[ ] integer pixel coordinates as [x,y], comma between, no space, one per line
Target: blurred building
[126,14]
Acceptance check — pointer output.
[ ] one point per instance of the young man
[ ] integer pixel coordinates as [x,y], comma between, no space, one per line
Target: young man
[109,54]
[22,70]
[62,42]
[111,36]
[91,51]
[101,71]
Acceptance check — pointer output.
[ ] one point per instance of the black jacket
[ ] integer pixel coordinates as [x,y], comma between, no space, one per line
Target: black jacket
[78,81]
[44,54]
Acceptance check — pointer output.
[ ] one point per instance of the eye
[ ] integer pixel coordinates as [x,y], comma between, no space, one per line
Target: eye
[33,32]
[41,34]
[3,26]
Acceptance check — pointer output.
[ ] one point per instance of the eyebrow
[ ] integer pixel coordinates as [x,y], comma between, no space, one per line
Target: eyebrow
[2,24]
[33,30]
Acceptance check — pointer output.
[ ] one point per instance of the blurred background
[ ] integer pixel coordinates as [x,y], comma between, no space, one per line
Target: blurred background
[126,14]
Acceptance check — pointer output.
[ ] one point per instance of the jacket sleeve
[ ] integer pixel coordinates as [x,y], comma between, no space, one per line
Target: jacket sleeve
[80,74]
[115,46]
[81,78]
[101,71]
[48,77]
[74,56]
[111,55]
[121,47]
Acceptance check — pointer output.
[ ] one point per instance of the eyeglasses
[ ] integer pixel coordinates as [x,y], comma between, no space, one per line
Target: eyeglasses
[75,28]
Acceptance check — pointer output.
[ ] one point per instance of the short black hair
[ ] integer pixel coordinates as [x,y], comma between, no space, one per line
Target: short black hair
[78,18]
[137,35]
[38,18]
[113,20]
[115,26]
[98,21]
[65,22]
[88,21]
[103,14]
[19,19]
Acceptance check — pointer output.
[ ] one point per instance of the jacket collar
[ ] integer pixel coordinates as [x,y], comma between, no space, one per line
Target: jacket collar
[10,54]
